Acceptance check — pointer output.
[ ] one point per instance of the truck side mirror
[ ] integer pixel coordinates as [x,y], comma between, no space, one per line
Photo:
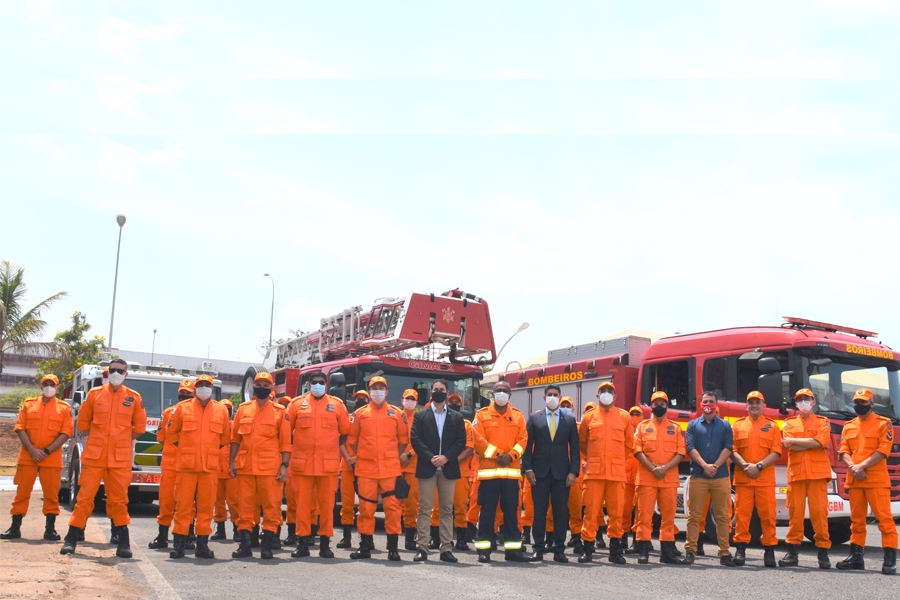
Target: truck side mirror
[77,399]
[769,365]
[337,385]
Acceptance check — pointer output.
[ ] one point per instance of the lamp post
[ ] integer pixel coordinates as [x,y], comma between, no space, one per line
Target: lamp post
[153,349]
[272,314]
[521,328]
[120,219]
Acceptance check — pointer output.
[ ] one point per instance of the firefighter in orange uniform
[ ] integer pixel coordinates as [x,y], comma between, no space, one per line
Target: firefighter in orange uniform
[461,492]
[576,494]
[320,427]
[167,467]
[260,451]
[658,447]
[43,426]
[606,438]
[226,489]
[408,469]
[628,506]
[378,437]
[203,429]
[805,438]
[500,438]
[114,416]
[348,479]
[757,447]
[865,444]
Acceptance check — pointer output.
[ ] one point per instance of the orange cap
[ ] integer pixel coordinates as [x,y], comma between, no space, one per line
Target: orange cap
[863,394]
[363,393]
[284,401]
[50,377]
[659,396]
[106,371]
[608,384]
[379,379]
[566,400]
[186,385]
[590,406]
[757,395]
[264,376]
[804,392]
[207,378]
[457,397]
[636,411]
[406,393]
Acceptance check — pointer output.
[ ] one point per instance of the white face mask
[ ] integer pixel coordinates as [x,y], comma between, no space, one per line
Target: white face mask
[116,378]
[804,406]
[501,398]
[605,398]
[378,396]
[203,393]
[409,404]
[49,391]
[552,402]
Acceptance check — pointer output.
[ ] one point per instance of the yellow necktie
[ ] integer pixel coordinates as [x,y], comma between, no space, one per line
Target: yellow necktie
[552,424]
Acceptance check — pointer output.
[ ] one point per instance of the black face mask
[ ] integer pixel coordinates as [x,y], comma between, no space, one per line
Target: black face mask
[261,392]
[660,411]
[183,398]
[359,404]
[438,396]
[455,407]
[862,409]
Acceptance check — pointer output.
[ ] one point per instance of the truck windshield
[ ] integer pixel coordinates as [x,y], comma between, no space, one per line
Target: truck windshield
[834,385]
[466,387]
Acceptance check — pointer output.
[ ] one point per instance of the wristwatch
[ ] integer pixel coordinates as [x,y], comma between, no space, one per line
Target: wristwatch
[409,455]
[285,465]
[759,466]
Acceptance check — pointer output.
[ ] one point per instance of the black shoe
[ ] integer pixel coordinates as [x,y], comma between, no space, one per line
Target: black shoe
[822,557]
[15,530]
[526,534]
[291,539]
[516,556]
[461,539]
[113,533]
[276,539]
[578,546]
[367,541]
[254,537]
[448,557]
[668,554]
[688,559]
[190,538]
[484,556]
[740,555]
[245,548]
[365,547]
[265,546]
[856,561]
[392,539]
[71,540]
[643,549]
[50,529]
[790,558]
[548,539]
[769,557]
[124,548]
[420,556]
[220,532]
[346,540]
[435,543]
[587,553]
[600,542]
[537,555]
[177,546]
[890,561]
[560,557]
[202,550]
[410,541]
[161,540]
[302,548]
[324,547]
[727,561]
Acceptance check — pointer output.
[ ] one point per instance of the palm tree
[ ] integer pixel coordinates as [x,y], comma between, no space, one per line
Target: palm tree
[20,328]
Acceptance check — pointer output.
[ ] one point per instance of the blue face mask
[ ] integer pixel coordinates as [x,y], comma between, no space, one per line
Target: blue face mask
[317,389]
[565,410]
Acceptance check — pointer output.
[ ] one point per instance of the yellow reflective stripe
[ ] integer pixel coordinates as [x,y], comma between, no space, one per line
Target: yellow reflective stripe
[491,449]
[482,545]
[518,449]
[499,472]
[512,545]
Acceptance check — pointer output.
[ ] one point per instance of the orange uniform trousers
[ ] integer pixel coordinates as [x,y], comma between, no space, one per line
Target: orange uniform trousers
[370,488]
[194,490]
[880,501]
[648,497]
[290,494]
[226,492]
[460,498]
[576,507]
[595,492]
[115,482]
[814,492]
[411,503]
[314,499]
[255,491]
[24,480]
[348,498]
[630,502]
[746,497]
[166,497]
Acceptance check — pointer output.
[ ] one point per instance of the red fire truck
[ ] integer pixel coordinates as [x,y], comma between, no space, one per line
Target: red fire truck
[832,360]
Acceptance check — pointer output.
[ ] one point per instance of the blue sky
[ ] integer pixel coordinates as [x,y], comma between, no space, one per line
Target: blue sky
[585,166]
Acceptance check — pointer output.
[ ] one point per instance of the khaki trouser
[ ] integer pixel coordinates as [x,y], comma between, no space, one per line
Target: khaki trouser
[720,492]
[446,489]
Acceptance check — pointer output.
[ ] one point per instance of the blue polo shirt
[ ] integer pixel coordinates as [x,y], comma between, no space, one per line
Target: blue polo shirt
[709,439]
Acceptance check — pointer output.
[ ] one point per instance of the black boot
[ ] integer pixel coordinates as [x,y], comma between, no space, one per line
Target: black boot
[265,548]
[190,538]
[347,540]
[435,542]
[740,555]
[324,547]
[484,556]
[291,539]
[616,555]
[472,531]
[769,557]
[667,554]
[15,530]
[587,552]
[856,561]
[302,548]
[202,550]
[578,546]
[643,553]
[177,546]
[254,537]
[365,549]
[890,561]
[161,540]
[600,542]
[220,532]
[276,539]
[790,558]
[392,539]
[72,537]
[526,534]
[50,529]
[410,543]
[235,536]
[461,539]
[113,533]
[822,557]
[244,549]
[124,548]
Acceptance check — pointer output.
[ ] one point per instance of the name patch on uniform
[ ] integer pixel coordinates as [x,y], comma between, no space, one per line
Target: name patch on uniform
[352,417]
[287,417]
[126,404]
[129,398]
[766,428]
[330,408]
[404,419]
[392,413]
[671,432]
[649,430]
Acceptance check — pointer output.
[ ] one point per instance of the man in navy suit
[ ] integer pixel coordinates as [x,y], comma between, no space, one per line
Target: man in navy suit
[551,463]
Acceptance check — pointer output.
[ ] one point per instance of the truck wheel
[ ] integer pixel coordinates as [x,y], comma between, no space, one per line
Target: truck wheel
[73,483]
[838,531]
[247,383]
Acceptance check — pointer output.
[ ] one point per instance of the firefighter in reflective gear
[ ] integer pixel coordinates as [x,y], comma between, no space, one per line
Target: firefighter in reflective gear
[757,447]
[114,416]
[408,469]
[226,489]
[630,503]
[378,436]
[43,426]
[461,492]
[348,479]
[658,447]
[805,438]
[500,438]
[167,467]
[606,438]
[865,444]
[260,451]
[320,427]
[203,429]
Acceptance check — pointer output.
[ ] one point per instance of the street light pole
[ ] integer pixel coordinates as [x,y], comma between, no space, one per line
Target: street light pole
[120,219]
[521,328]
[153,350]
[272,314]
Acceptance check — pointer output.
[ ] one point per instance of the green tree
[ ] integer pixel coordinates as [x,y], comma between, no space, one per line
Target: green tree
[16,396]
[20,328]
[75,349]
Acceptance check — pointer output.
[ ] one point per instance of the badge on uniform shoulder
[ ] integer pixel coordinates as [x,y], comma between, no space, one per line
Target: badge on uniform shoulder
[287,417]
[649,430]
[352,417]
[329,408]
[304,404]
[392,412]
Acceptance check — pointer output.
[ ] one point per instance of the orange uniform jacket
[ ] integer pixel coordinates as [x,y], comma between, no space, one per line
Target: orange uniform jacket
[225,451]
[755,440]
[378,432]
[861,439]
[464,466]
[263,434]
[112,418]
[202,432]
[317,427]
[414,460]
[812,463]
[43,423]
[606,439]
[660,443]
[495,434]
[167,439]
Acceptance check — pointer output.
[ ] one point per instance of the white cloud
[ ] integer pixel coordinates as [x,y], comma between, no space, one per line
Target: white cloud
[122,94]
[38,9]
[266,62]
[306,315]
[271,117]
[121,37]
[121,162]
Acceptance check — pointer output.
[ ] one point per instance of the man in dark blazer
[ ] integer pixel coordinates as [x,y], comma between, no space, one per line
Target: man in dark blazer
[551,463]
[438,436]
